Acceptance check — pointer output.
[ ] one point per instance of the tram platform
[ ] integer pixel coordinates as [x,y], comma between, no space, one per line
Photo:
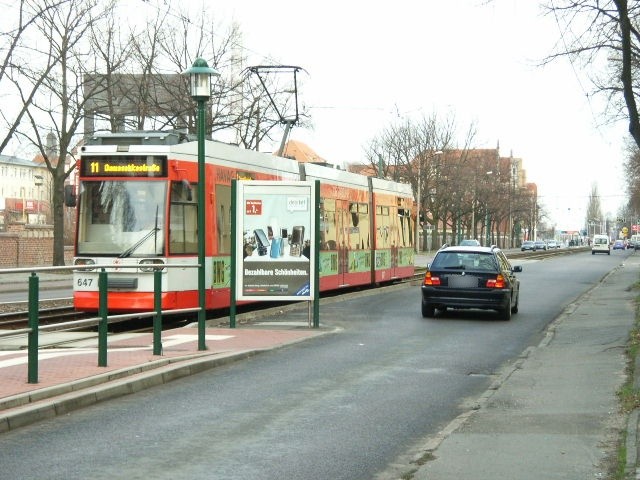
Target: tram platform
[70,378]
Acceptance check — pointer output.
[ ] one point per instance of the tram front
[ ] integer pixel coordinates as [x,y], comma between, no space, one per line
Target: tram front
[121,224]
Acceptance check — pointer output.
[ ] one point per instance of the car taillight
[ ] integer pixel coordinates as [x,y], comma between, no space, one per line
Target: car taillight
[430,279]
[497,282]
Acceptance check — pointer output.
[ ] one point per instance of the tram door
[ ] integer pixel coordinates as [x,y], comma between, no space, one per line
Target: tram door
[343,220]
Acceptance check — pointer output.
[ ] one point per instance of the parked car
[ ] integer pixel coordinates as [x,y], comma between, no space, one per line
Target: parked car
[527,245]
[552,244]
[539,245]
[619,245]
[469,242]
[471,277]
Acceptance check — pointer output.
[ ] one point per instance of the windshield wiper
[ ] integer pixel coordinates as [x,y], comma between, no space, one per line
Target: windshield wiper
[455,267]
[133,247]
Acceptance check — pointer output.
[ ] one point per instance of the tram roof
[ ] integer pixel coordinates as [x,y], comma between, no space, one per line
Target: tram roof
[382,184]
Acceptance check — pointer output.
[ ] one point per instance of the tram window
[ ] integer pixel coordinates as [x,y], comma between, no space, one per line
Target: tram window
[395,227]
[406,227]
[360,226]
[183,219]
[383,227]
[121,217]
[100,211]
[223,218]
[328,227]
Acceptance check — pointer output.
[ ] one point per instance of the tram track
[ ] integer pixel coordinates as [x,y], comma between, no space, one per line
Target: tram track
[14,316]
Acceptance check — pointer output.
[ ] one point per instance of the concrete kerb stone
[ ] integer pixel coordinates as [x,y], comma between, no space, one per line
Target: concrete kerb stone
[94,390]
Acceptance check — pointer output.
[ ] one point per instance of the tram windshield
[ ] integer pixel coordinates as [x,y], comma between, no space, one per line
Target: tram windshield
[123,218]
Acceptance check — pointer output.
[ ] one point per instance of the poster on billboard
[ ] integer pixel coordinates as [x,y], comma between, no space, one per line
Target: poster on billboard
[274,247]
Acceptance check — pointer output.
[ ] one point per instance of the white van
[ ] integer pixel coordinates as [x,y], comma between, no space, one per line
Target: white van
[600,245]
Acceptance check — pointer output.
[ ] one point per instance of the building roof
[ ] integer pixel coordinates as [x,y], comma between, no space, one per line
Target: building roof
[301,152]
[11,160]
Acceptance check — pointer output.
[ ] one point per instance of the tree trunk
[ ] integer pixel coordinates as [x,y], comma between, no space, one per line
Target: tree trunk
[58,220]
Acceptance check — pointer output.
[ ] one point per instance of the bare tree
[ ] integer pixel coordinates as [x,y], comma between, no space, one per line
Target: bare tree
[594,209]
[597,31]
[17,49]
[58,106]
[242,104]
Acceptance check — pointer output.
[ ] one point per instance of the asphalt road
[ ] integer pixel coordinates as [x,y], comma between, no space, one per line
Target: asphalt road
[343,406]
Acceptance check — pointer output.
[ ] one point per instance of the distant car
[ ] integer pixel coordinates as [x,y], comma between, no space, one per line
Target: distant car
[527,245]
[618,245]
[470,242]
[471,277]
[600,244]
[553,244]
[539,245]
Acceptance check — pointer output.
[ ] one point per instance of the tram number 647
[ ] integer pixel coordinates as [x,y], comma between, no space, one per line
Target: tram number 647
[84,282]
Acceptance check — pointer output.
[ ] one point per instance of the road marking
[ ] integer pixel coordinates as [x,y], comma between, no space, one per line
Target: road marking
[169,341]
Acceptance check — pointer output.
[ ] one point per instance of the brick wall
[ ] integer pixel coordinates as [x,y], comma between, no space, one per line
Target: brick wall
[29,246]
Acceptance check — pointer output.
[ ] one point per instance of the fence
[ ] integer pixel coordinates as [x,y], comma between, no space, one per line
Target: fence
[102,320]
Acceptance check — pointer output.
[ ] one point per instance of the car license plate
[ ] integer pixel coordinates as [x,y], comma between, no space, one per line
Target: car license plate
[463,281]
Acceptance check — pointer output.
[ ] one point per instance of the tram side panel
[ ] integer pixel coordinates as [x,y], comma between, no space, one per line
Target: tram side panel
[393,230]
[344,231]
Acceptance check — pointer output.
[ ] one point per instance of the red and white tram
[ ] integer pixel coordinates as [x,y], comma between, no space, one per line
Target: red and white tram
[137,206]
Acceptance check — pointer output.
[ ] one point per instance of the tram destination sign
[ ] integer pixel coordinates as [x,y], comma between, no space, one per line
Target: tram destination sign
[124,166]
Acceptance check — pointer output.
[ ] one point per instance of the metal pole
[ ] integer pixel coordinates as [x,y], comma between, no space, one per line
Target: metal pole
[234,258]
[202,314]
[157,318]
[418,200]
[487,222]
[32,367]
[316,260]
[103,313]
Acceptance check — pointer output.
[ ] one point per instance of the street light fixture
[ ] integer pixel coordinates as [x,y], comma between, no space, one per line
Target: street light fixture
[200,81]
[37,181]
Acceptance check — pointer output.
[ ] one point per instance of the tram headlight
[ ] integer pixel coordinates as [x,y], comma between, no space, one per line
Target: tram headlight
[151,264]
[84,261]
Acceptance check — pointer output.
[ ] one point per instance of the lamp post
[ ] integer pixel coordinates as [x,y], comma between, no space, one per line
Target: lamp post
[37,181]
[200,81]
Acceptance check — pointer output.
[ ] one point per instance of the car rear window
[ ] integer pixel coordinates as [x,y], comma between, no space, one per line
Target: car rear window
[464,261]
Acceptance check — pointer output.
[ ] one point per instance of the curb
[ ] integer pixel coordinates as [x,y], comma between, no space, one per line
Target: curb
[50,402]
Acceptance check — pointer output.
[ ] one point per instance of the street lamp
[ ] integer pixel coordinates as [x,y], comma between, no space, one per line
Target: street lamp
[37,181]
[200,81]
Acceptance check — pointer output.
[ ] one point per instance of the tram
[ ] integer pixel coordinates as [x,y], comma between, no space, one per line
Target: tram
[137,209]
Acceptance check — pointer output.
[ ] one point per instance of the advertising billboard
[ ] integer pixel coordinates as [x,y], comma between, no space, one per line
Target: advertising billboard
[274,240]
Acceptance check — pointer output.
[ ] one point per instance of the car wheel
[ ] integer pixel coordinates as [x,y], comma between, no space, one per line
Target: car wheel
[505,314]
[428,310]
[514,308]
[609,252]
[592,252]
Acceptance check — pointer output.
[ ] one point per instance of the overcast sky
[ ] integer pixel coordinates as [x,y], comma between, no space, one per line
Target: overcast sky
[368,62]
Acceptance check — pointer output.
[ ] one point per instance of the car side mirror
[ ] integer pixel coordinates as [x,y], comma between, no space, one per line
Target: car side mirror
[516,269]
